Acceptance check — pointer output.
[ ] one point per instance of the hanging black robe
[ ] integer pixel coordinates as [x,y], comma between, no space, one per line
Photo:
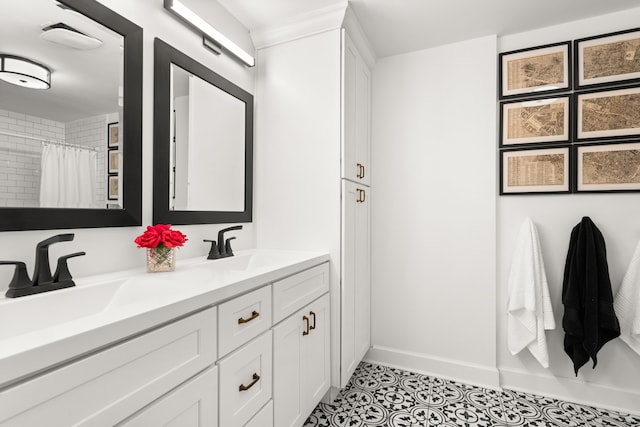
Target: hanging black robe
[589,320]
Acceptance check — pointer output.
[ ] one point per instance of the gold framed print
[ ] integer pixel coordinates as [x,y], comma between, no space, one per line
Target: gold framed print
[541,69]
[608,167]
[608,59]
[535,170]
[608,114]
[534,121]
[112,187]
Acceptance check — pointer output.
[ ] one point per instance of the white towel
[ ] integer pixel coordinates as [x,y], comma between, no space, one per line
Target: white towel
[627,303]
[529,305]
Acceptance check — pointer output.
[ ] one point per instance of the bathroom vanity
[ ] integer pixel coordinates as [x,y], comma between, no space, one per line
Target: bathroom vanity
[241,341]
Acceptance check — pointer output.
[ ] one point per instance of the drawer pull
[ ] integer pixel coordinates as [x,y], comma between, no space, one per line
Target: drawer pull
[311,313]
[254,314]
[306,319]
[360,167]
[243,387]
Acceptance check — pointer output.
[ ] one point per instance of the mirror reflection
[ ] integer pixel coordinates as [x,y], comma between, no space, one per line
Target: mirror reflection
[60,146]
[206,168]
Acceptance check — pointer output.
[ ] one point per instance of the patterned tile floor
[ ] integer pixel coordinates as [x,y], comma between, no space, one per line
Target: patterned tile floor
[382,396]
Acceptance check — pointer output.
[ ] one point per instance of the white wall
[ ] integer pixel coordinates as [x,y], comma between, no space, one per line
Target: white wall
[112,249]
[433,214]
[615,382]
[297,155]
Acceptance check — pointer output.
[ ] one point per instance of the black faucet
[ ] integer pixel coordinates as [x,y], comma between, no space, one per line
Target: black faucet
[42,281]
[222,248]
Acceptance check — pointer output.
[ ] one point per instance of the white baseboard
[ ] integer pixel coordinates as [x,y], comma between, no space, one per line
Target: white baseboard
[483,376]
[572,390]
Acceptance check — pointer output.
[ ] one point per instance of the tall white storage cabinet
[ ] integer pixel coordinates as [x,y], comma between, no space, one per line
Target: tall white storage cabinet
[312,175]
[355,337]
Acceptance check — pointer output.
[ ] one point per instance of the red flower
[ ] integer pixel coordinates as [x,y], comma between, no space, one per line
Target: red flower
[160,234]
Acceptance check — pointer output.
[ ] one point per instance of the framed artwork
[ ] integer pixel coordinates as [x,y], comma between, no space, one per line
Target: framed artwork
[112,188]
[608,59]
[541,69]
[114,161]
[113,135]
[541,170]
[608,114]
[608,167]
[534,121]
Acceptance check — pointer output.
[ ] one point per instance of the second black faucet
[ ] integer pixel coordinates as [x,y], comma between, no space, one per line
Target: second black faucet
[222,248]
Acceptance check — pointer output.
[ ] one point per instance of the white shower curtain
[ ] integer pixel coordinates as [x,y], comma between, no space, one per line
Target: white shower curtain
[68,177]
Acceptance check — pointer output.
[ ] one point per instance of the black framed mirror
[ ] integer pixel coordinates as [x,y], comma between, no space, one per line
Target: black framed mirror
[93,107]
[203,143]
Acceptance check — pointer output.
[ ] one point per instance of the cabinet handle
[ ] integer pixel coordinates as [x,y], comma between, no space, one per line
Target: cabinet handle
[360,167]
[311,313]
[306,319]
[243,387]
[254,314]
[361,196]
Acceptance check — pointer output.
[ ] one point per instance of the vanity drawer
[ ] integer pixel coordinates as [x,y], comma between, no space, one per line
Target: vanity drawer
[293,293]
[242,319]
[245,381]
[108,386]
[193,404]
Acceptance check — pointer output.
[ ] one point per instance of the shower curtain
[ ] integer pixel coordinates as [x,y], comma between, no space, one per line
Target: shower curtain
[68,177]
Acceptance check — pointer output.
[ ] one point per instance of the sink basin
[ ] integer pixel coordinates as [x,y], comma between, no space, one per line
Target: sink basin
[38,312]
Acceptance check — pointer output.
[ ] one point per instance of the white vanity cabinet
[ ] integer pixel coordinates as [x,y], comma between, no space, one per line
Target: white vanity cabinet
[301,344]
[204,360]
[108,386]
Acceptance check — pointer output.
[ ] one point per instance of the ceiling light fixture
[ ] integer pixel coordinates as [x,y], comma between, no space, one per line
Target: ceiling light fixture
[210,34]
[24,72]
[65,35]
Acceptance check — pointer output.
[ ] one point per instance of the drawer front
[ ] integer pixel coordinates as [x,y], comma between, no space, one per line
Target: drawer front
[193,404]
[245,381]
[264,418]
[243,319]
[106,387]
[293,293]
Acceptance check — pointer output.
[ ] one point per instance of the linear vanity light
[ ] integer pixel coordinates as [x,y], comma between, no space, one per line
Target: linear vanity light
[210,34]
[24,72]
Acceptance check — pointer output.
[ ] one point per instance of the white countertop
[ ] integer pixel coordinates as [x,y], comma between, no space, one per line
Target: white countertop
[44,330]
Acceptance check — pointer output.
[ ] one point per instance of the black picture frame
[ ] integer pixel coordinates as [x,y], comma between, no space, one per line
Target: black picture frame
[613,164]
[535,121]
[537,63]
[611,59]
[113,135]
[512,182]
[598,109]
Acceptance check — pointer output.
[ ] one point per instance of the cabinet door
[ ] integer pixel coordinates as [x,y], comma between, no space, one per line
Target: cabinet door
[356,114]
[193,404]
[301,363]
[315,364]
[355,286]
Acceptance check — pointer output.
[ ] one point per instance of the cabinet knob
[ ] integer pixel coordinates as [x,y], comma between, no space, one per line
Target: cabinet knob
[254,315]
[243,387]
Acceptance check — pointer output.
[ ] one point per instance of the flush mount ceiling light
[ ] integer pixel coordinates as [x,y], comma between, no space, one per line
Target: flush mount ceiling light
[210,34]
[68,36]
[24,72]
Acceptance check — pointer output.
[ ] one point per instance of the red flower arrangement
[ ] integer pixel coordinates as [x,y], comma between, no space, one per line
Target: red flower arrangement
[160,235]
[160,241]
